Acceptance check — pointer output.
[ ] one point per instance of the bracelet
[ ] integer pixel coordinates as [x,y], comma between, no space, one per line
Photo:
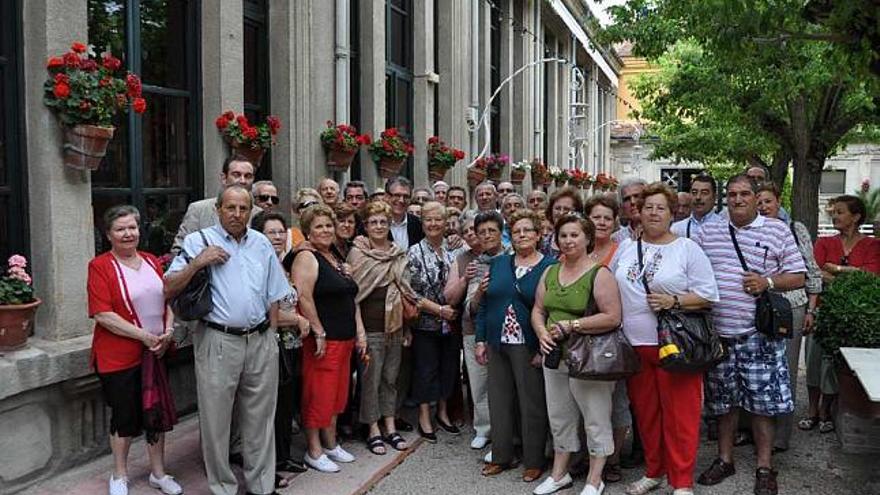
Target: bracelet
[770,283]
[575,326]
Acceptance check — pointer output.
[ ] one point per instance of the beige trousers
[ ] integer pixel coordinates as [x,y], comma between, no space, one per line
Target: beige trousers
[241,370]
[567,400]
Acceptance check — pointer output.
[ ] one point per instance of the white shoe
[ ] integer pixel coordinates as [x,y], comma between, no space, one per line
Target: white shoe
[644,485]
[118,486]
[592,490]
[479,442]
[322,464]
[683,491]
[166,484]
[488,457]
[550,485]
[339,454]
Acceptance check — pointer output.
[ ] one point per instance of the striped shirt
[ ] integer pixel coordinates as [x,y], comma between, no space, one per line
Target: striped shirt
[769,249]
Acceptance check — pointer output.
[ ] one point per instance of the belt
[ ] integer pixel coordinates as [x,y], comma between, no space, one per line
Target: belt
[240,331]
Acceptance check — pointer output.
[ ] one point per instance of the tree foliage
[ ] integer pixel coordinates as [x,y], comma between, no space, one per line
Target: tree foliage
[752,81]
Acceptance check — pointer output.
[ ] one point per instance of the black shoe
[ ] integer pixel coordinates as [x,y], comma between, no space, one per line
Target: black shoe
[236,459]
[429,437]
[290,466]
[765,482]
[401,424]
[447,427]
[717,472]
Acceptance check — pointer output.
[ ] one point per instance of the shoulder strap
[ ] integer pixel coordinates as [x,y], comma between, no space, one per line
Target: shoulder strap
[689,227]
[642,266]
[591,301]
[794,234]
[739,253]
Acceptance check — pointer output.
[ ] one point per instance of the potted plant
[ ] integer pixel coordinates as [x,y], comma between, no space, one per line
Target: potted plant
[341,143]
[559,175]
[17,304]
[246,140]
[518,171]
[389,152]
[441,158]
[580,179]
[606,182]
[540,173]
[86,92]
[477,173]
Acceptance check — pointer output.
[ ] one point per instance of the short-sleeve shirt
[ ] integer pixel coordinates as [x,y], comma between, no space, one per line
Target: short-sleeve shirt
[676,268]
[865,254]
[690,227]
[246,285]
[428,271]
[768,248]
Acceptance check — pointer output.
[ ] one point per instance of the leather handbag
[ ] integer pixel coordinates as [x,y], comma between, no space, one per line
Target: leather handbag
[195,300]
[410,310]
[773,315]
[687,340]
[604,357]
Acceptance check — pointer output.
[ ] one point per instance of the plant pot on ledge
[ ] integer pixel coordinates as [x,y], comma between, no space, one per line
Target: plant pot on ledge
[253,155]
[436,172]
[475,176]
[86,145]
[15,324]
[390,167]
[517,176]
[340,159]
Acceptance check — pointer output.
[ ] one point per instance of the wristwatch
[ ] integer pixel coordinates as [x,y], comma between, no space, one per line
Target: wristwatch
[812,311]
[770,284]
[576,326]
[677,303]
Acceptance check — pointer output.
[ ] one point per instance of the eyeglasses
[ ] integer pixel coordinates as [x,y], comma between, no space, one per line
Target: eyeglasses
[268,197]
[305,205]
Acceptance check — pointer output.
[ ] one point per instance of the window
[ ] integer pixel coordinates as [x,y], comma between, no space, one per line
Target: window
[833,182]
[495,78]
[679,179]
[256,70]
[398,69]
[13,220]
[153,161]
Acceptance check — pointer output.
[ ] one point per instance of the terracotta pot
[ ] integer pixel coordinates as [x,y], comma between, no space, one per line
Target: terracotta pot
[85,145]
[389,167]
[495,174]
[517,176]
[559,182]
[339,160]
[15,324]
[253,155]
[436,173]
[475,176]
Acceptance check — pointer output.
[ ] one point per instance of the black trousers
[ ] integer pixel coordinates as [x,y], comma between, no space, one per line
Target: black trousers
[288,400]
[436,359]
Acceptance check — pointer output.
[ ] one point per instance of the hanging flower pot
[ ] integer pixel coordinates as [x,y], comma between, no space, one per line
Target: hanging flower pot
[253,155]
[495,174]
[15,324]
[339,160]
[341,143]
[441,157]
[436,172]
[390,167]
[389,151]
[86,145]
[246,140]
[475,175]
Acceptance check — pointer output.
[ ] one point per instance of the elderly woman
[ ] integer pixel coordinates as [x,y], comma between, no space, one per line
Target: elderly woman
[274,226]
[305,197]
[803,301]
[346,225]
[506,341]
[327,299]
[560,306]
[667,405]
[848,251]
[133,326]
[435,349]
[564,200]
[380,273]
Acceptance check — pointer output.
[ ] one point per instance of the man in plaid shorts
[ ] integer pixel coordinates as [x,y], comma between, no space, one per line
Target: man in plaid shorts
[755,377]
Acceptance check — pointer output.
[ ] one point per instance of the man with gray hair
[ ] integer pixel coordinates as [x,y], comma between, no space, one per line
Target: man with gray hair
[486,197]
[630,201]
[265,195]
[537,200]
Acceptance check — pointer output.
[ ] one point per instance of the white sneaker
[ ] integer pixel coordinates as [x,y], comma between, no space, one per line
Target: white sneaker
[683,491]
[592,490]
[118,486]
[550,485]
[644,485]
[322,464]
[339,454]
[488,457]
[479,442]
[166,484]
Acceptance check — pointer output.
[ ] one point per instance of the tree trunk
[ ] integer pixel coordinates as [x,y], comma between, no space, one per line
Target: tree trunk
[779,168]
[805,191]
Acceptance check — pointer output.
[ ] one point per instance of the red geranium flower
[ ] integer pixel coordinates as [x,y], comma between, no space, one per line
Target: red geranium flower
[458,154]
[89,65]
[221,122]
[55,62]
[229,115]
[104,82]
[61,90]
[274,124]
[433,140]
[242,121]
[139,105]
[133,83]
[111,63]
[71,60]
[79,47]
[250,132]
[363,139]
[62,78]
[392,132]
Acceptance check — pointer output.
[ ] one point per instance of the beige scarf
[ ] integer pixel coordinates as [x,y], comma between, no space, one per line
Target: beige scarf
[376,268]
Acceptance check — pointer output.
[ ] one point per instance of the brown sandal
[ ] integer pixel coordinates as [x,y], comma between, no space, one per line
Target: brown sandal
[611,473]
[532,474]
[491,469]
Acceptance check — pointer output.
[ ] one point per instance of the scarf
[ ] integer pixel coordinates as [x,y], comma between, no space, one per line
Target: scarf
[374,268]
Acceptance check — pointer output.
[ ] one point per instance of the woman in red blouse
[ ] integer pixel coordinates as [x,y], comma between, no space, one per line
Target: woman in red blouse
[132,328]
[845,252]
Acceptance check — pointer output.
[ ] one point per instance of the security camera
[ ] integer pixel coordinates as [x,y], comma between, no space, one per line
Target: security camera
[470,118]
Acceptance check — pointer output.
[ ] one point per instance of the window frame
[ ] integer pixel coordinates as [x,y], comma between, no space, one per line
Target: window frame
[495,47]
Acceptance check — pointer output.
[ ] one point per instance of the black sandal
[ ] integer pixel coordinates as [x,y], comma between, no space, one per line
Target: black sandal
[826,426]
[290,466]
[611,473]
[394,440]
[374,443]
[809,423]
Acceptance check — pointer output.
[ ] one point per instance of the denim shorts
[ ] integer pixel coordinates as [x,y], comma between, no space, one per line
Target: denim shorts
[754,377]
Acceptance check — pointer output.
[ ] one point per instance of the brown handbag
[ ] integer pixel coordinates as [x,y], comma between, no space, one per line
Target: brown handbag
[604,357]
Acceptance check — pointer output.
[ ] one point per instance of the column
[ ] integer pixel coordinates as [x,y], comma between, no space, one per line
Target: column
[454,68]
[423,85]
[372,83]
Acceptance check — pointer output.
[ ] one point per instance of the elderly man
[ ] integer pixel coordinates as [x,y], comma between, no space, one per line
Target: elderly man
[234,344]
[504,188]
[406,228]
[537,200]
[486,197]
[509,204]
[456,197]
[265,195]
[630,204]
[329,190]
[356,194]
[755,377]
[421,195]
[683,208]
[441,190]
[703,190]
[201,214]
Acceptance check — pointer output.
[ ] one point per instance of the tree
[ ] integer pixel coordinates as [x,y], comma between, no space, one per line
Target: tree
[734,85]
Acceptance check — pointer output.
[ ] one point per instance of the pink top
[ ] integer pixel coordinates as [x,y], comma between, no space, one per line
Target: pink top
[147,296]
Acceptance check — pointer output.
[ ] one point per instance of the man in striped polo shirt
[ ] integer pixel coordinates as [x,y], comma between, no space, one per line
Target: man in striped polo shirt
[755,377]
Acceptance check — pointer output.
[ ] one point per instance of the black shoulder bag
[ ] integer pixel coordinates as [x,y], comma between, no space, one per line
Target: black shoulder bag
[773,316]
[194,301]
[687,340]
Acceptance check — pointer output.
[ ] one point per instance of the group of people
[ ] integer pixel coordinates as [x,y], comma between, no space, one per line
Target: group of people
[360,303]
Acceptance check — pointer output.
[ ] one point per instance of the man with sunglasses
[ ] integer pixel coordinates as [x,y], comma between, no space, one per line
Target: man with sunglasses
[265,195]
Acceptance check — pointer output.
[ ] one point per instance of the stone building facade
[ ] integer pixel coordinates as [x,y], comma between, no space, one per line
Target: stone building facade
[425,66]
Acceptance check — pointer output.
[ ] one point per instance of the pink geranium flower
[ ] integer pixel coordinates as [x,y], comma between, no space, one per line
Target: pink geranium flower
[17,260]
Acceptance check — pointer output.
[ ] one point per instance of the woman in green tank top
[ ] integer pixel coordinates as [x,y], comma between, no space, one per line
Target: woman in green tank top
[560,304]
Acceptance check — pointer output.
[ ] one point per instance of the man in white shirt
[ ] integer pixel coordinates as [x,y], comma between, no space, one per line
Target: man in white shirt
[630,198]
[703,190]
